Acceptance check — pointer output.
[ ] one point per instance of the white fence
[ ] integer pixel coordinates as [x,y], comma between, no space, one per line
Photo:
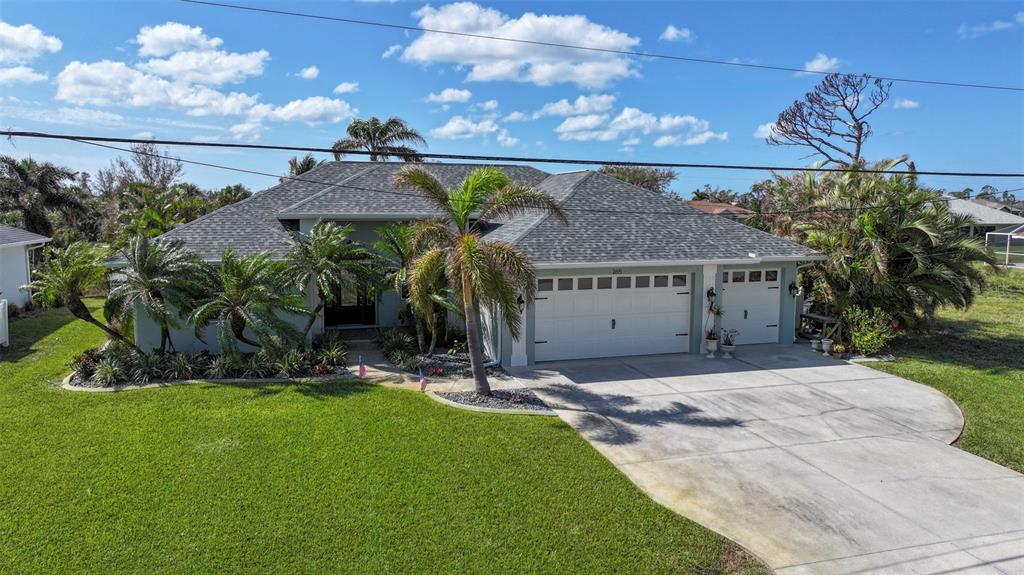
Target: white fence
[4,336]
[1008,246]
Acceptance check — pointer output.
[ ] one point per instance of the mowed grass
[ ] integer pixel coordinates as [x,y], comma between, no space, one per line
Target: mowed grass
[285,478]
[976,357]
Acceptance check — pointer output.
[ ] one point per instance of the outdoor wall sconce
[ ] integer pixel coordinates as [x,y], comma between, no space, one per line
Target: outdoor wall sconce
[521,303]
[793,289]
[711,295]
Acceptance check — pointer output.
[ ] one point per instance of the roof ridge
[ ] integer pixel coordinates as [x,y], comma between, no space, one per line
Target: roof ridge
[328,188]
[572,191]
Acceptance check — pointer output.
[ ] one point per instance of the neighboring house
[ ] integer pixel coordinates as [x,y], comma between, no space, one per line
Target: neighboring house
[722,209]
[997,206]
[986,219]
[629,274]
[16,246]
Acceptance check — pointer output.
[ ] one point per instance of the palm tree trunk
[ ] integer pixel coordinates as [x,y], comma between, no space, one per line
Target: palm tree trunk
[78,309]
[421,343]
[476,357]
[312,318]
[433,334]
[238,329]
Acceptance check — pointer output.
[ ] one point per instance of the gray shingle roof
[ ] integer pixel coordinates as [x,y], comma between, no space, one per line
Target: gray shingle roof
[11,235]
[630,224]
[983,215]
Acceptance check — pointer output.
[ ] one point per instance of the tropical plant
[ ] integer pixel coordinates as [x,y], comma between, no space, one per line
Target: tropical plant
[327,259]
[146,368]
[869,330]
[653,179]
[220,367]
[393,340]
[249,292]
[33,190]
[67,272]
[108,372]
[298,166]
[160,277]
[890,244]
[381,139]
[182,366]
[231,194]
[492,274]
[291,363]
[333,355]
[396,249]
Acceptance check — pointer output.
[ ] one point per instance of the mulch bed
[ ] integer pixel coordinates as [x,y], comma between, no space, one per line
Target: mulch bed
[523,399]
[445,365]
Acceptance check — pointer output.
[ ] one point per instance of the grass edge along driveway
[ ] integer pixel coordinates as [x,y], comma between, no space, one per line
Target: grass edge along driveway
[338,477]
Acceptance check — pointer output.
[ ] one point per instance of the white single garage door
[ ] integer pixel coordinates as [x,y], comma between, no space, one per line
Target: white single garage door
[606,316]
[750,304]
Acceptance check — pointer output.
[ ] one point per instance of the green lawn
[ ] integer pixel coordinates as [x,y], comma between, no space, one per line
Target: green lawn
[976,357]
[343,477]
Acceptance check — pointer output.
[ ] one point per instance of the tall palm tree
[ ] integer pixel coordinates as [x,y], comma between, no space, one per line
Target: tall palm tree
[249,292]
[298,166]
[66,274]
[327,258]
[33,189]
[381,139]
[160,277]
[396,247]
[481,273]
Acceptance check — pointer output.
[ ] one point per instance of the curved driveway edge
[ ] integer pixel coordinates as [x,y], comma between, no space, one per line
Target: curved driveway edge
[815,465]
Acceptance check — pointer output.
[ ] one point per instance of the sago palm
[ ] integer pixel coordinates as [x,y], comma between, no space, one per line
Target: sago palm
[381,139]
[397,251]
[34,189]
[249,293]
[66,274]
[162,279]
[481,273]
[327,259]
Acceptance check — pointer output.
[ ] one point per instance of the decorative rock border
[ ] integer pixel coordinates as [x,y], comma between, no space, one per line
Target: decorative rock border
[543,413]
[66,382]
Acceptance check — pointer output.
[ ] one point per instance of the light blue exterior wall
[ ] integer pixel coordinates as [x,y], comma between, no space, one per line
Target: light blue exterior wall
[787,309]
[14,275]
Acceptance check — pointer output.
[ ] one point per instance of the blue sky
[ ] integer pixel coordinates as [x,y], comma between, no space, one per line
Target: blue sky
[179,71]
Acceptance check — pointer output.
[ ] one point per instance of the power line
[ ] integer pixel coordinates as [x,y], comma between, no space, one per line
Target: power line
[505,159]
[588,48]
[420,196]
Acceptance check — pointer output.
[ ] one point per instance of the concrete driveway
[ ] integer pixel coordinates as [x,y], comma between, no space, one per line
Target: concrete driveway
[815,465]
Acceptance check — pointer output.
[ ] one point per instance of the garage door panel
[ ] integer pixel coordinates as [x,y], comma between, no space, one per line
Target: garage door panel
[752,306]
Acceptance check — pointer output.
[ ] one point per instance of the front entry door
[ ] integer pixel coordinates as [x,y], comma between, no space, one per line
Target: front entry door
[352,307]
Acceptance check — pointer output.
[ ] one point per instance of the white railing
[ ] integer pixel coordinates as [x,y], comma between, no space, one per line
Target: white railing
[4,337]
[1008,246]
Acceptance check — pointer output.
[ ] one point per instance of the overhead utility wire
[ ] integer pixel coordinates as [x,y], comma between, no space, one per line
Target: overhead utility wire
[520,159]
[588,48]
[420,196]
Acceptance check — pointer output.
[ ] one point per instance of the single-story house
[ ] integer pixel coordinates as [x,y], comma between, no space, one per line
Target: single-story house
[986,219]
[632,272]
[997,205]
[16,246]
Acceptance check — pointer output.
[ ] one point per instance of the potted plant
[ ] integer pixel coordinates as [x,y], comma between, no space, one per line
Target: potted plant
[826,346]
[816,344]
[711,342]
[729,342]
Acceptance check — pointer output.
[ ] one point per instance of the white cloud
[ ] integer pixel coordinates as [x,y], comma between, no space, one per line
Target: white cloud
[22,44]
[449,95]
[309,73]
[20,75]
[581,123]
[488,60]
[515,117]
[631,122]
[820,63]
[312,111]
[69,116]
[346,88]
[489,105]
[631,142]
[173,37]
[593,104]
[144,135]
[460,128]
[391,51]
[673,34]
[906,104]
[969,32]
[248,130]
[764,130]
[213,67]
[505,139]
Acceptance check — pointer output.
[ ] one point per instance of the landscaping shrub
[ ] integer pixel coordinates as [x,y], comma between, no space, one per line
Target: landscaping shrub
[332,354]
[292,363]
[146,368]
[84,364]
[221,367]
[182,366]
[870,330]
[108,372]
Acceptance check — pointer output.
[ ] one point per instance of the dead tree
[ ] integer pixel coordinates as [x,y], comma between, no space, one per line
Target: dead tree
[832,119]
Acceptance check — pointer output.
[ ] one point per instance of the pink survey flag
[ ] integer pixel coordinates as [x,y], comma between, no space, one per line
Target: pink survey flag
[423,381]
[362,368]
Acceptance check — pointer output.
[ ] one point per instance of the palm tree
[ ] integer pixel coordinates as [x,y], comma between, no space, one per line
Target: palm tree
[299,166]
[330,261]
[891,244]
[481,273]
[33,189]
[160,277]
[66,275]
[381,139]
[396,247]
[249,292]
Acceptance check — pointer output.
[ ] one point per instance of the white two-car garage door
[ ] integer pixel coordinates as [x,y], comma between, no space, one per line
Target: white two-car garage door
[605,316]
[750,305]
